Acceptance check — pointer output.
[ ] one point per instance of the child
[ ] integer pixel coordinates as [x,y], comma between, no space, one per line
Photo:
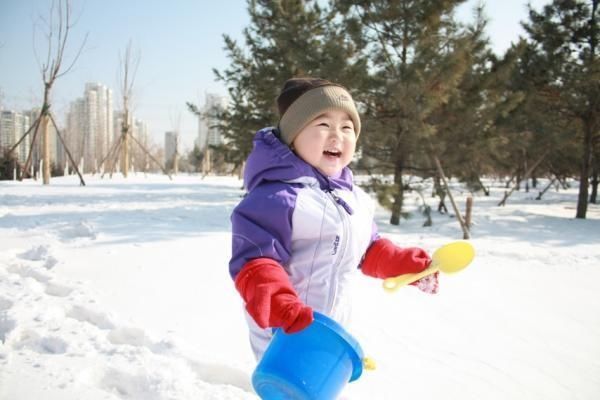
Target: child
[304,228]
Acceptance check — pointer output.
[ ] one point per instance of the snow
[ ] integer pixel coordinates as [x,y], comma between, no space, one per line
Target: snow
[120,290]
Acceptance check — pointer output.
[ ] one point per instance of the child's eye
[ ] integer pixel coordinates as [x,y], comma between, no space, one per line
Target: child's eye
[325,124]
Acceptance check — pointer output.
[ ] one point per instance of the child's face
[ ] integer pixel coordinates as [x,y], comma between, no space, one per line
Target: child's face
[328,142]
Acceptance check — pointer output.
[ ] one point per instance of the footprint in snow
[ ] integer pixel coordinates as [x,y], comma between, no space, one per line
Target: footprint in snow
[41,344]
[5,304]
[156,382]
[6,324]
[26,271]
[96,318]
[125,385]
[50,262]
[81,229]
[35,253]
[131,336]
[58,290]
[40,253]
[221,374]
[138,338]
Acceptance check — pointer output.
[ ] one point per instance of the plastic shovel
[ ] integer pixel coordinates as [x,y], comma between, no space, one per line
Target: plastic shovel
[449,259]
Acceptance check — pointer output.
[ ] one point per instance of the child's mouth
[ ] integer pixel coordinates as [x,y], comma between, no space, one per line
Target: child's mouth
[333,153]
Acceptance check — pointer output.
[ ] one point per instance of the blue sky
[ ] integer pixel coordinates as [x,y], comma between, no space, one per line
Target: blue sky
[180,42]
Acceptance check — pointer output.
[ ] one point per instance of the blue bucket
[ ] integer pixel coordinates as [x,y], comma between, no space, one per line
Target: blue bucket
[315,363]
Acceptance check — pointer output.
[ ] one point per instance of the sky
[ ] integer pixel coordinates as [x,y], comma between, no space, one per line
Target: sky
[179,43]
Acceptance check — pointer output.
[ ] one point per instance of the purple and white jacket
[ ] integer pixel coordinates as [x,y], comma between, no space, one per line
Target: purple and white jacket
[318,228]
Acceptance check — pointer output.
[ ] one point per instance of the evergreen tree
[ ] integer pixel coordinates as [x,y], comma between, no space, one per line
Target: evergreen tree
[418,55]
[529,133]
[469,124]
[565,37]
[284,39]
[8,164]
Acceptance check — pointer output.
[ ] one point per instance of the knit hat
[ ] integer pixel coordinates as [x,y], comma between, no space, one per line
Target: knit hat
[303,99]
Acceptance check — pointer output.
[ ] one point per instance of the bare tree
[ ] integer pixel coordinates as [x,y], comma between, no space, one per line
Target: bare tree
[58,25]
[128,68]
[128,65]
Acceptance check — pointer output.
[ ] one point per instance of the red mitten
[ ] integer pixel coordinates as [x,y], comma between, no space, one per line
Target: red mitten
[270,298]
[385,260]
[429,284]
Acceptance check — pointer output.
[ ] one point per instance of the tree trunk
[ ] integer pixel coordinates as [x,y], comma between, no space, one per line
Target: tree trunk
[125,144]
[441,193]
[176,156]
[469,213]
[46,136]
[525,169]
[482,186]
[595,173]
[241,171]
[461,221]
[399,194]
[45,149]
[582,200]
[527,173]
[545,189]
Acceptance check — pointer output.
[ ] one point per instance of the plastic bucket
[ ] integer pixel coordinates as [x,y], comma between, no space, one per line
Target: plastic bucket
[315,363]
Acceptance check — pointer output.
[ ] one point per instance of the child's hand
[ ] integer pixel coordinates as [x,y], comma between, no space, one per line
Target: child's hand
[385,260]
[428,284]
[270,297]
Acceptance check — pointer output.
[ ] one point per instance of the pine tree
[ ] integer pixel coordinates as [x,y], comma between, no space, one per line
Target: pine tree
[418,55]
[468,124]
[284,39]
[527,133]
[565,37]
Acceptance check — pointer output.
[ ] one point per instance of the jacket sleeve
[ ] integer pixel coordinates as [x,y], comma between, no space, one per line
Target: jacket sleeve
[262,226]
[374,233]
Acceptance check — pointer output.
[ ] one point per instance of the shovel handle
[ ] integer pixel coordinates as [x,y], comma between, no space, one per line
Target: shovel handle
[395,283]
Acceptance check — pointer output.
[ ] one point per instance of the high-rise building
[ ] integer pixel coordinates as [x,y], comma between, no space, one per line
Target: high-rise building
[170,148]
[57,155]
[90,125]
[140,131]
[75,129]
[13,126]
[208,132]
[100,120]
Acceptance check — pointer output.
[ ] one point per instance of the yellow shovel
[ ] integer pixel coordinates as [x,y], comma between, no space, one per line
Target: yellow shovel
[449,259]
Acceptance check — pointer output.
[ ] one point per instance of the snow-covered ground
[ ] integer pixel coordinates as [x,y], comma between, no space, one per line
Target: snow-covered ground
[120,290]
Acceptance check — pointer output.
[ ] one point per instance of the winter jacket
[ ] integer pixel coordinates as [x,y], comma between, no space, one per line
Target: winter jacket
[318,228]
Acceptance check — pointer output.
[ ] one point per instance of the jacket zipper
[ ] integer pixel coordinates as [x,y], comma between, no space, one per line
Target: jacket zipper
[341,250]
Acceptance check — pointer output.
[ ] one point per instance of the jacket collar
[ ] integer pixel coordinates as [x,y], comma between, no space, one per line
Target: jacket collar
[273,161]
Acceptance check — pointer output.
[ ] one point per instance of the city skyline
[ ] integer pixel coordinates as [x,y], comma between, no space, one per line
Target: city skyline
[179,45]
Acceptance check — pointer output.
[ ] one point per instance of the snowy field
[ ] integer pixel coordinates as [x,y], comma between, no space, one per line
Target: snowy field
[120,290]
